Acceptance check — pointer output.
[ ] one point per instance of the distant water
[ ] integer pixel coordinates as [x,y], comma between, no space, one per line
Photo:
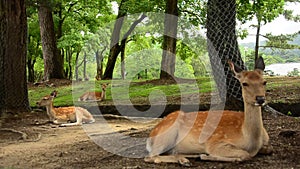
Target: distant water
[282,69]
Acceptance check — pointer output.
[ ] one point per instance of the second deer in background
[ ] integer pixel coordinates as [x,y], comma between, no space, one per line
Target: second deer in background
[94,96]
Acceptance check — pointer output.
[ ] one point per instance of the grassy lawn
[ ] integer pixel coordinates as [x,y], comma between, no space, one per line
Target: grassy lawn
[119,89]
[124,90]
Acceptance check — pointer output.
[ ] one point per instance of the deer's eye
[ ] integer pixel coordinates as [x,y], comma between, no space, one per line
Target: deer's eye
[245,84]
[264,83]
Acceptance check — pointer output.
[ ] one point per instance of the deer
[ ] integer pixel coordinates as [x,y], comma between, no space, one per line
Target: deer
[62,115]
[238,136]
[94,96]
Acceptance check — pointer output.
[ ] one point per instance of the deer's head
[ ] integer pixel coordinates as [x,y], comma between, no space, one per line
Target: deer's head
[47,100]
[252,82]
[104,86]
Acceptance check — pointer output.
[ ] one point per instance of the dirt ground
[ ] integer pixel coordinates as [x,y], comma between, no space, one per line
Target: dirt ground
[29,141]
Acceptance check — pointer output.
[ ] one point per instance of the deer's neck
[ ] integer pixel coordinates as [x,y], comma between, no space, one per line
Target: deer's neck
[103,94]
[50,110]
[253,123]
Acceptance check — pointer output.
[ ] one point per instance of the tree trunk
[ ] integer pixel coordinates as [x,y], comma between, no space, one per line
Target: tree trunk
[257,41]
[68,70]
[115,48]
[99,60]
[13,47]
[222,45]
[77,66]
[98,75]
[84,66]
[30,67]
[53,62]
[169,40]
[123,44]
[69,57]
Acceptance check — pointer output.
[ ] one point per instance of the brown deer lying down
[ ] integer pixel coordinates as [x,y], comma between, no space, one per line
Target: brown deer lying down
[94,96]
[238,136]
[62,115]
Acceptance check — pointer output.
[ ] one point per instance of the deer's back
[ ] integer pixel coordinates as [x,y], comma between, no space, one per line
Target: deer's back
[223,123]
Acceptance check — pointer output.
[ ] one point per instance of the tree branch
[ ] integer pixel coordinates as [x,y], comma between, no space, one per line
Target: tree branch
[132,27]
[69,9]
[280,47]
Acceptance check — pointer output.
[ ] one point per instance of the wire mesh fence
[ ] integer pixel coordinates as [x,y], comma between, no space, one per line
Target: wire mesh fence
[223,46]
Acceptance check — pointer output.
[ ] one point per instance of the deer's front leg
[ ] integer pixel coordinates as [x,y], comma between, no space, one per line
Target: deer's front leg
[267,148]
[225,152]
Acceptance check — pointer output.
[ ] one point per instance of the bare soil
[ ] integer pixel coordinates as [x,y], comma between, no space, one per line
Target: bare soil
[28,140]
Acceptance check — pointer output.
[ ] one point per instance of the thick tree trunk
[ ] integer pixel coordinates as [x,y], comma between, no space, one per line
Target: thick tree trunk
[169,41]
[223,45]
[115,48]
[53,62]
[13,47]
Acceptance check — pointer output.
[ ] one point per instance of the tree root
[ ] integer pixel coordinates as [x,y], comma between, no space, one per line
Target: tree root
[23,134]
[272,111]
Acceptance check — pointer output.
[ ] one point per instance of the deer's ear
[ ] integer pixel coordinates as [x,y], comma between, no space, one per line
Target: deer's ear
[54,93]
[235,69]
[259,64]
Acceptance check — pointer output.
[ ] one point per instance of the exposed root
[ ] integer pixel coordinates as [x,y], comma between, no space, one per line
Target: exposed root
[24,136]
[272,111]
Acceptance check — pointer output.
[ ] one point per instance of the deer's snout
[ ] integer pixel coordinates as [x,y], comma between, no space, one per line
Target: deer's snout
[260,100]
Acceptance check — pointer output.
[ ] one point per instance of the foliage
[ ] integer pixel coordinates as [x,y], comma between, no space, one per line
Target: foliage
[193,11]
[248,53]
[86,28]
[73,20]
[281,41]
[288,14]
[281,54]
[295,72]
[263,10]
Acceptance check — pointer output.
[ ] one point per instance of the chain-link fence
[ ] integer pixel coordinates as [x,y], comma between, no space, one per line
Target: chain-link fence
[223,46]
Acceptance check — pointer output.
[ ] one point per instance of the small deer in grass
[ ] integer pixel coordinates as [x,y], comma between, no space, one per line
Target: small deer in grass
[237,137]
[94,96]
[63,115]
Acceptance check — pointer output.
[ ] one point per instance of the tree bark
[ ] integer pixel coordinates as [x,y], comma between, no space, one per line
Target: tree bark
[99,60]
[84,66]
[223,45]
[169,40]
[53,62]
[257,40]
[123,43]
[115,47]
[77,66]
[13,48]
[30,67]
[69,54]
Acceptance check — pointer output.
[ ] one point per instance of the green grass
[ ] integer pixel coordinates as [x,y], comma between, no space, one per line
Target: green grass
[280,83]
[124,90]
[120,90]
